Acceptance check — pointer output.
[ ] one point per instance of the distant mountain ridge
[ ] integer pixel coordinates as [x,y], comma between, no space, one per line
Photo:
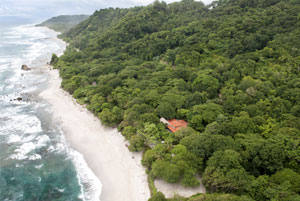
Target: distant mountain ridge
[63,23]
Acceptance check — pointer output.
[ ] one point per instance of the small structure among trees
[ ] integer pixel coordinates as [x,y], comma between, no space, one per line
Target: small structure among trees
[174,124]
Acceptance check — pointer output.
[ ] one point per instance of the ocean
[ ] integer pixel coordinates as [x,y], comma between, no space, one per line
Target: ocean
[36,163]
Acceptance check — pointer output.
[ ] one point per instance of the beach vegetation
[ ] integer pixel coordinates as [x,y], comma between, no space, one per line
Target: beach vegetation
[159,196]
[230,69]
[54,59]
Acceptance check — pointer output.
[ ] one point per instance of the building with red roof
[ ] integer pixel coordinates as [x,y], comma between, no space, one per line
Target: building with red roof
[174,124]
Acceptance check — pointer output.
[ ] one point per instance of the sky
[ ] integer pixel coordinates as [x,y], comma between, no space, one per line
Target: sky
[43,9]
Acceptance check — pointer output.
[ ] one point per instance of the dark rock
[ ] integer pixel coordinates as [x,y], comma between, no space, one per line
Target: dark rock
[25,67]
[19,99]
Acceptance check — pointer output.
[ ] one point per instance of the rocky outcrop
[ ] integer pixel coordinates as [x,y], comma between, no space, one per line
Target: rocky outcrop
[25,67]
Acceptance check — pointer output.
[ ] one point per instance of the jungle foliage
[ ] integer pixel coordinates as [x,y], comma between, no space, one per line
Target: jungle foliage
[230,69]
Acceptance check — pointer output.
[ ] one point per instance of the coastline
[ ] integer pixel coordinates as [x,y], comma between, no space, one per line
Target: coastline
[105,150]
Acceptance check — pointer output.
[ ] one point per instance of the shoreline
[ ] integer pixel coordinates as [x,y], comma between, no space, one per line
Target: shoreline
[104,149]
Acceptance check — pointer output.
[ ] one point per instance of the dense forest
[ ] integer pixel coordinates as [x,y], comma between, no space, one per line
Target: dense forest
[230,69]
[63,23]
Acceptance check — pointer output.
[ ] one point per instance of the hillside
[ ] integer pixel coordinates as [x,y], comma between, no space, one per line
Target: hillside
[230,69]
[63,23]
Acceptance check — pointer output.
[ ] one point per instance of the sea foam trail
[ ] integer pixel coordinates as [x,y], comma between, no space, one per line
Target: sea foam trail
[26,133]
[90,184]
[91,187]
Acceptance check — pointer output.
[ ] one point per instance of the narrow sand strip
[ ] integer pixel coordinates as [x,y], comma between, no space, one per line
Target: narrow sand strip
[104,149]
[169,190]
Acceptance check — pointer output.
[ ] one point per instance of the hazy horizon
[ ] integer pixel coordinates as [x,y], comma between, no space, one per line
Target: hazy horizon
[36,10]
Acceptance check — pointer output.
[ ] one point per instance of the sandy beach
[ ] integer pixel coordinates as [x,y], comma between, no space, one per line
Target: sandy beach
[122,176]
[169,190]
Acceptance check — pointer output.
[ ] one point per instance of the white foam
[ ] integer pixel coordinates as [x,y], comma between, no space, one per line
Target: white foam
[34,157]
[91,187]
[14,139]
[21,42]
[29,138]
[42,141]
[11,99]
[4,66]
[28,145]
[19,165]
[11,36]
[22,123]
[20,154]
[40,44]
[35,51]
[29,31]
[39,166]
[33,125]
[3,60]
[51,149]
[61,190]
[37,40]
[11,111]
[59,147]
[30,89]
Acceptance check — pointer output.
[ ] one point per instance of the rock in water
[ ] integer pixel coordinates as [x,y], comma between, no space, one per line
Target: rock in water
[25,67]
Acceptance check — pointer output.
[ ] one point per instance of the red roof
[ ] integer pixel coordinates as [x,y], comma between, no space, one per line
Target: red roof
[175,125]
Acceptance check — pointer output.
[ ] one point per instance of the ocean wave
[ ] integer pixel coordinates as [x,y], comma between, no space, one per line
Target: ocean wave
[3,60]
[14,139]
[17,43]
[91,187]
[39,166]
[3,67]
[22,151]
[28,146]
[9,99]
[58,148]
[22,31]
[29,41]
[42,141]
[7,36]
[36,50]
[21,124]
[34,157]
[24,132]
